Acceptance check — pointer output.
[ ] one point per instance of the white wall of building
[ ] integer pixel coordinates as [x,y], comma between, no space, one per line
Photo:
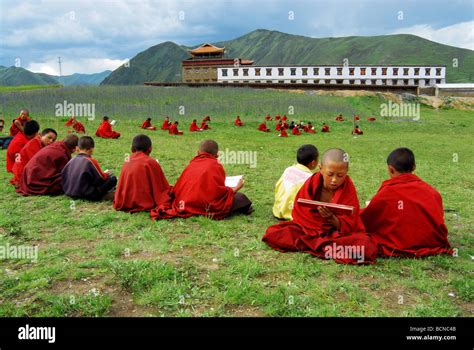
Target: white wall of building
[384,75]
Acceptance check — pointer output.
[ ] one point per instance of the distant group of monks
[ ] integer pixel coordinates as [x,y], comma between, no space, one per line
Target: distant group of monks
[173,127]
[315,199]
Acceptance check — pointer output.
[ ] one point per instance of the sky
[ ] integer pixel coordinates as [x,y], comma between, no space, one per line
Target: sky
[93,36]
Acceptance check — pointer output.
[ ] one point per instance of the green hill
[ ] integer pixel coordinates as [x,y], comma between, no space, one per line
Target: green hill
[16,76]
[82,79]
[163,62]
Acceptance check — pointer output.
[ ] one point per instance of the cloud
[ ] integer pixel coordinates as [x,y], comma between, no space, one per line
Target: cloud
[459,34]
[71,65]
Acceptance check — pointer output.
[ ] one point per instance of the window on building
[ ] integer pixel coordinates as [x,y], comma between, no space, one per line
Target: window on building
[293,81]
[281,81]
[438,71]
[417,71]
[406,71]
[362,71]
[315,71]
[427,82]
[224,72]
[257,81]
[281,71]
[373,71]
[304,71]
[438,81]
[293,71]
[351,71]
[384,71]
[327,71]
[257,72]
[235,71]
[395,71]
[269,71]
[246,72]
[405,81]
[427,71]
[339,71]
[351,82]
[416,81]
[339,81]
[269,81]
[304,81]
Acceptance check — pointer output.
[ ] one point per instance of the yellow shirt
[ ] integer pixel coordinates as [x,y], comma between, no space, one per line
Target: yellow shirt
[286,189]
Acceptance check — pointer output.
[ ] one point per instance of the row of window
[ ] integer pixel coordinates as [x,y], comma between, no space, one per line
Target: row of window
[327,71]
[363,82]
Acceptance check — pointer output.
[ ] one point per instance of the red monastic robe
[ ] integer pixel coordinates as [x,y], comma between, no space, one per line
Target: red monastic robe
[69,122]
[406,218]
[309,232]
[371,119]
[14,148]
[238,122]
[325,128]
[27,152]
[283,133]
[79,127]
[295,131]
[42,174]
[166,124]
[105,131]
[194,127]
[204,125]
[357,131]
[142,185]
[200,190]
[14,129]
[173,130]
[263,127]
[147,124]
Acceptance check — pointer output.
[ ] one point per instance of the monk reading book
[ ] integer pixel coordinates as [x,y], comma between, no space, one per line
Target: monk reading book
[147,125]
[310,128]
[47,137]
[142,185]
[339,118]
[201,190]
[42,174]
[316,229]
[325,128]
[295,131]
[194,127]
[166,124]
[105,130]
[19,141]
[357,131]
[173,130]
[82,177]
[238,122]
[19,123]
[406,217]
[263,127]
[293,179]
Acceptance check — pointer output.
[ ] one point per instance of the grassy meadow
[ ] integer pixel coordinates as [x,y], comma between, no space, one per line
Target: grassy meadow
[95,261]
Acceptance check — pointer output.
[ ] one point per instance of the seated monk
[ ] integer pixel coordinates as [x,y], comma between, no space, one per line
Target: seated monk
[406,216]
[69,121]
[310,128]
[325,128]
[42,174]
[166,124]
[47,137]
[105,130]
[268,117]
[357,131]
[173,130]
[293,179]
[263,127]
[19,123]
[78,127]
[142,185]
[277,117]
[82,177]
[284,118]
[204,125]
[317,230]
[356,117]
[279,126]
[296,130]
[371,119]
[30,130]
[238,122]
[147,125]
[339,118]
[201,190]
[285,125]
[194,127]
[283,133]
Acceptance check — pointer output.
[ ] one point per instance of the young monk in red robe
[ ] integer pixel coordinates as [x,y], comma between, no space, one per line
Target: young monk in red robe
[284,118]
[78,127]
[279,126]
[339,118]
[173,130]
[204,125]
[166,124]
[406,216]
[201,190]
[147,125]
[310,128]
[42,174]
[268,117]
[142,184]
[29,132]
[371,119]
[295,131]
[238,122]
[356,117]
[47,137]
[277,117]
[263,127]
[69,121]
[357,131]
[283,133]
[19,123]
[325,128]
[105,130]
[317,230]
[194,127]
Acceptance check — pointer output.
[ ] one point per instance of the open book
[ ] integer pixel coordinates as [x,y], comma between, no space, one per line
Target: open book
[335,208]
[232,181]
[113,122]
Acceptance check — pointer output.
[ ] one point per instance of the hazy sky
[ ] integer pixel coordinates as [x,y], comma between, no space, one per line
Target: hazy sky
[92,36]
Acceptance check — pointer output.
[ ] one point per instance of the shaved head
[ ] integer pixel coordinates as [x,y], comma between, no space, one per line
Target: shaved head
[71,141]
[335,155]
[209,146]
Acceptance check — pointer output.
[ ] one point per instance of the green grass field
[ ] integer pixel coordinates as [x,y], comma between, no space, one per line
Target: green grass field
[94,261]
